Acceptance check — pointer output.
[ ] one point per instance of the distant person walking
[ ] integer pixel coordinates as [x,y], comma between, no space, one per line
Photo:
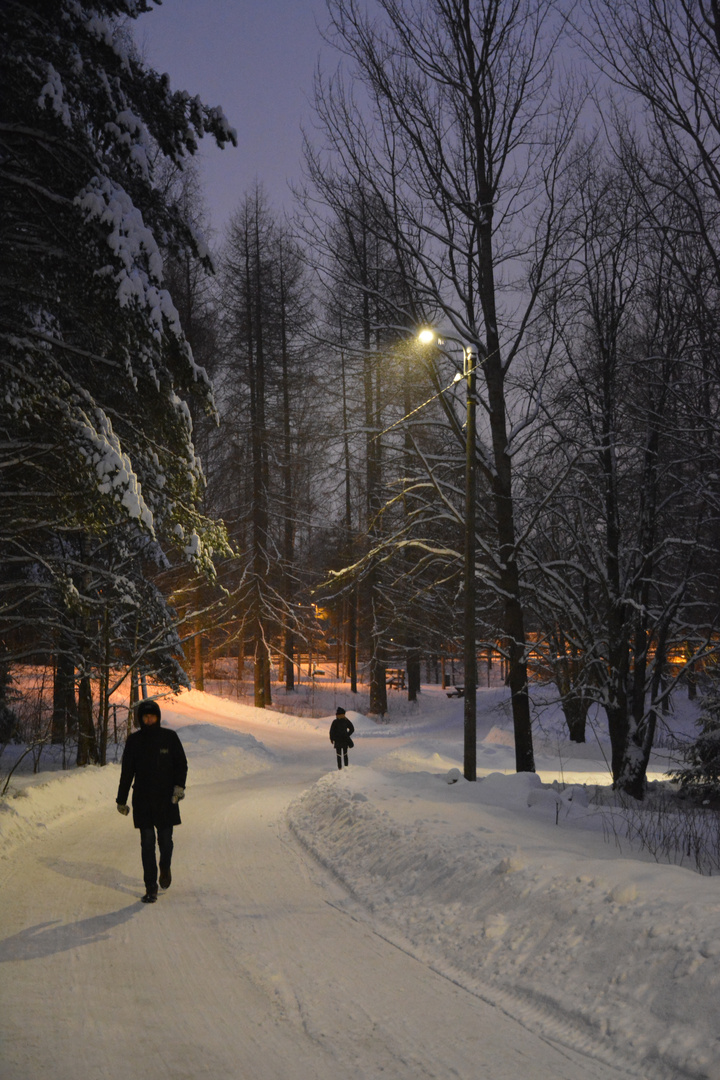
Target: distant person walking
[155,760]
[340,731]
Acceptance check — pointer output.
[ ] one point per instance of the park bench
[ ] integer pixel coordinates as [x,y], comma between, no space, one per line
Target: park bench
[395,677]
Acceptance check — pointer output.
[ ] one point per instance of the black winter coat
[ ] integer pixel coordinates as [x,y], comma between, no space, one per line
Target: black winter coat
[340,731]
[155,760]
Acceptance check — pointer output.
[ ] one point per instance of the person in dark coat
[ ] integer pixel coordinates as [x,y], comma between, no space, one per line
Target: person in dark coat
[154,763]
[340,731]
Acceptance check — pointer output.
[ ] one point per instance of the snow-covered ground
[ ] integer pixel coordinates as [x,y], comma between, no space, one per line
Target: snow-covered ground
[382,921]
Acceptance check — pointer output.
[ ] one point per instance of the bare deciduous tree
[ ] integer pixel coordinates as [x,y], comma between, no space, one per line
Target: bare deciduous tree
[461,130]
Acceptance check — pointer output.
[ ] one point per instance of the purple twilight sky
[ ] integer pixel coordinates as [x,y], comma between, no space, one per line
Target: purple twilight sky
[255,58]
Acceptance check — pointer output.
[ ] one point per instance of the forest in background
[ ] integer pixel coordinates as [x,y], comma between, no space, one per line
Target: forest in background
[248,453]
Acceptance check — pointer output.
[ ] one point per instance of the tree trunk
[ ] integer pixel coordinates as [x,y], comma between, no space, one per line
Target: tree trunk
[352,599]
[378,685]
[64,706]
[104,703]
[575,709]
[267,675]
[260,681]
[288,530]
[289,659]
[199,662]
[87,745]
[514,621]
[691,677]
[240,662]
[134,698]
[414,673]
[352,639]
[254,345]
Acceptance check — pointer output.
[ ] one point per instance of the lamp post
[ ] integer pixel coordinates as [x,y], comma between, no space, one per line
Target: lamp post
[469,649]
[426,337]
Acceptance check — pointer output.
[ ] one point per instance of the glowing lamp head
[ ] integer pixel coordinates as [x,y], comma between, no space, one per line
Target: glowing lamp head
[426,336]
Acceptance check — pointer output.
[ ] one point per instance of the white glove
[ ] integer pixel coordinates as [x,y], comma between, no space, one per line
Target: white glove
[178,794]
[123,808]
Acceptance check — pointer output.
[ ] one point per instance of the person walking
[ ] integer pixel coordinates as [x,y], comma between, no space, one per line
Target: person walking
[154,763]
[340,731]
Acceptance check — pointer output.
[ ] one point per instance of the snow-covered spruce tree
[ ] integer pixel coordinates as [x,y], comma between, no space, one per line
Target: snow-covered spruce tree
[95,371]
[700,777]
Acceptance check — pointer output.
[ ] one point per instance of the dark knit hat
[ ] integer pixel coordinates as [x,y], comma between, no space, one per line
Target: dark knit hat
[148,707]
[339,711]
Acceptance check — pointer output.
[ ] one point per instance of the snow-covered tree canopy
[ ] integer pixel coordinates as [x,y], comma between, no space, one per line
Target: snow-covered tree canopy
[95,371]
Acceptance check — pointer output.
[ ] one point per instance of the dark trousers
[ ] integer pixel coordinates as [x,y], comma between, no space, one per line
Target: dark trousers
[147,850]
[341,751]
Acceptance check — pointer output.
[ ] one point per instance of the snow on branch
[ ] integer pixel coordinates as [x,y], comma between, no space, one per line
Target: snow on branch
[134,247]
[52,95]
[113,466]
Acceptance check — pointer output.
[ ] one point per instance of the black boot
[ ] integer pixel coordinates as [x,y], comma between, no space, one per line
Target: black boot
[165,878]
[150,895]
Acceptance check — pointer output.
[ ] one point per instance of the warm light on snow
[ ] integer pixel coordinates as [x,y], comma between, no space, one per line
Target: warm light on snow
[357,923]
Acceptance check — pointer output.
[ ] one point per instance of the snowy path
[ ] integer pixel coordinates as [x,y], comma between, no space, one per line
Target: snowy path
[244,969]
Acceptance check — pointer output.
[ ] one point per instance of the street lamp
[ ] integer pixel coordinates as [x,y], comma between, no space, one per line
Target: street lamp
[427,336]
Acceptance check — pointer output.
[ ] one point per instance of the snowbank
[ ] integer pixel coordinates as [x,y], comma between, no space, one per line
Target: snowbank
[29,809]
[34,803]
[616,957]
[216,753]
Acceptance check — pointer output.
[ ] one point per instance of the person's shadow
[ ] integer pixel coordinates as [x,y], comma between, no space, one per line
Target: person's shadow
[48,938]
[95,874]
